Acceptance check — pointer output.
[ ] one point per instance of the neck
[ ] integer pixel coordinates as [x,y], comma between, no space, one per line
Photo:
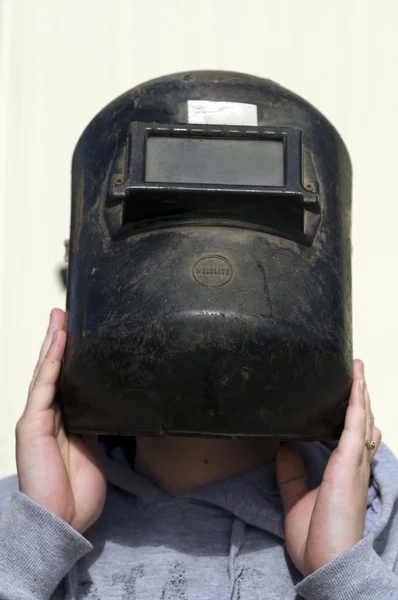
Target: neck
[177,465]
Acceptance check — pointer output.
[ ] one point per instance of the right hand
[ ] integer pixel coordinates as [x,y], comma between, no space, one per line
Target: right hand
[60,472]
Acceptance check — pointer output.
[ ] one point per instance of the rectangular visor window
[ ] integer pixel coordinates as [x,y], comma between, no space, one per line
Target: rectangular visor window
[219,161]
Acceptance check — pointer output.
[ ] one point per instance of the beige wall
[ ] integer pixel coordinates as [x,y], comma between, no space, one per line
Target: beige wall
[62,60]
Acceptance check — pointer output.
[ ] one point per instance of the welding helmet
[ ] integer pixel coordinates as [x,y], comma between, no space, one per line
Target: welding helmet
[209,277]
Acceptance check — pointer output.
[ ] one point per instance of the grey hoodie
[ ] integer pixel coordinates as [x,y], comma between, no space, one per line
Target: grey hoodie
[224,541]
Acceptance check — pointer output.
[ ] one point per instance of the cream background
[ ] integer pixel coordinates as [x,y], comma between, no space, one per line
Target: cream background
[61,61]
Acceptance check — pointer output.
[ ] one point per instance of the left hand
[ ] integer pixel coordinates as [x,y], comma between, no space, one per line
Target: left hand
[323,523]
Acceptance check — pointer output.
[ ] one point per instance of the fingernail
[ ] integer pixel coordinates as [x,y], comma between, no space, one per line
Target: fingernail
[361,385]
[54,337]
[362,368]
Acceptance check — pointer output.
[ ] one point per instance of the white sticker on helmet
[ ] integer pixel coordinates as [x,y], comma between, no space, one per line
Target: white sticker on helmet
[203,112]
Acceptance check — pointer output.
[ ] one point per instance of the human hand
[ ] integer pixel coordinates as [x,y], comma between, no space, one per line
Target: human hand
[323,523]
[59,471]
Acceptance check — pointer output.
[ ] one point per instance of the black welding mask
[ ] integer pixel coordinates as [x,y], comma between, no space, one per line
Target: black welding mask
[209,284]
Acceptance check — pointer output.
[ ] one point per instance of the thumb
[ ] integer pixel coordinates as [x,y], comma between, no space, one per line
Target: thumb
[291,475]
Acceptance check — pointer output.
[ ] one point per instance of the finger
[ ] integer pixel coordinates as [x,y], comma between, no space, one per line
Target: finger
[57,318]
[352,441]
[359,369]
[359,373]
[291,475]
[42,392]
[377,437]
[44,347]
[369,416]
[56,321]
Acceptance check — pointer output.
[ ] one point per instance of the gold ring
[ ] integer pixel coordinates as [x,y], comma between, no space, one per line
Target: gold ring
[370,444]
